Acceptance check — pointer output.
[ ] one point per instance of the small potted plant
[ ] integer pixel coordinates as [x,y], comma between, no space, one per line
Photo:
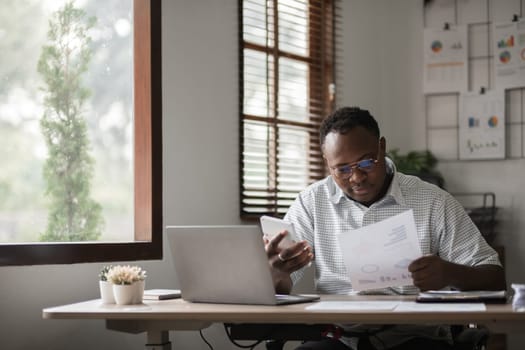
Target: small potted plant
[106,287]
[128,283]
[418,163]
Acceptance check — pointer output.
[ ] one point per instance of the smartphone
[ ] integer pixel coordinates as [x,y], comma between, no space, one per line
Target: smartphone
[271,226]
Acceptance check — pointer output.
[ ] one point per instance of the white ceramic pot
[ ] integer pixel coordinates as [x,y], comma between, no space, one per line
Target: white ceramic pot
[106,292]
[127,294]
[139,293]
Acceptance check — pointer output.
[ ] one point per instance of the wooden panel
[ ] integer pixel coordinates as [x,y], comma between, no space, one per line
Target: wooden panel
[142,116]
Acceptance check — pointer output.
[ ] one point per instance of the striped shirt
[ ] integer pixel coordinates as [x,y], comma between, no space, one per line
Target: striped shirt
[322,211]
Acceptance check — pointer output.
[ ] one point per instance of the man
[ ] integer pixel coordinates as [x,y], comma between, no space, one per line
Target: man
[363,188]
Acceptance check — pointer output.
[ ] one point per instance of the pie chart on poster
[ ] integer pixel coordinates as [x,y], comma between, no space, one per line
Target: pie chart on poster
[436,46]
[493,121]
[504,57]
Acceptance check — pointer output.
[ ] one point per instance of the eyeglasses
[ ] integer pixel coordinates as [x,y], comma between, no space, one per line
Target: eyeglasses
[344,172]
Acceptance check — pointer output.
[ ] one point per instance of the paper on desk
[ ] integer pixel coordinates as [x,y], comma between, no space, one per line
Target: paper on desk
[378,255]
[411,306]
[354,305]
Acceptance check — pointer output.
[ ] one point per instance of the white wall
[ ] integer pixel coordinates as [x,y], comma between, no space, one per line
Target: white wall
[382,72]
[201,115]
[382,43]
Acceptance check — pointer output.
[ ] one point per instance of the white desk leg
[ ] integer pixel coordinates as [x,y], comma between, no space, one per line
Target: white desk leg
[157,331]
[158,340]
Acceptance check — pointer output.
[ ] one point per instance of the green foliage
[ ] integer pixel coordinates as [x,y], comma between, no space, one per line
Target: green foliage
[68,170]
[414,162]
[103,275]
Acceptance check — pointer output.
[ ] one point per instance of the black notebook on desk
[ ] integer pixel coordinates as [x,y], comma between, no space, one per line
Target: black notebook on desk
[475,296]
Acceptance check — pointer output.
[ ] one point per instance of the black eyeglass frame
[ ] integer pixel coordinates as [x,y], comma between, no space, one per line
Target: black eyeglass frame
[365,165]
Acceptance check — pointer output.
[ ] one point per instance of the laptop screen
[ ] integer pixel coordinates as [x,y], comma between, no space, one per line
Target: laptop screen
[221,264]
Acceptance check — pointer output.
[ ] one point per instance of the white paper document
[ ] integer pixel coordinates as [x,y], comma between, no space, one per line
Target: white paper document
[379,305]
[378,255]
[396,306]
[412,306]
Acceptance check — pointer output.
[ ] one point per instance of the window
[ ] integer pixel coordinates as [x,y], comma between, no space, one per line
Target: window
[287,68]
[144,234]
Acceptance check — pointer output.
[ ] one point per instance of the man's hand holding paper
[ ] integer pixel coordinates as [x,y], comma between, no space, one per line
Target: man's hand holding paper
[378,255]
[430,272]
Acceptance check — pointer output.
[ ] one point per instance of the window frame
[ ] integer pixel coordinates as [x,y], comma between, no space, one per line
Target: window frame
[325,95]
[148,217]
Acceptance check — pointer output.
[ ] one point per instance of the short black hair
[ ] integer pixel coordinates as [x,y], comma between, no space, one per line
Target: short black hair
[345,119]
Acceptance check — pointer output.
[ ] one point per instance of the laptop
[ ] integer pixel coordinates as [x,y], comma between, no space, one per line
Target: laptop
[225,264]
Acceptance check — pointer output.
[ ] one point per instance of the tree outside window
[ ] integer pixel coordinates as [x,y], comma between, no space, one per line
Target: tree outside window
[122,117]
[66,121]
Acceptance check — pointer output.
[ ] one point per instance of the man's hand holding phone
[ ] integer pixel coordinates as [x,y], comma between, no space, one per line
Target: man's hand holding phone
[274,227]
[279,238]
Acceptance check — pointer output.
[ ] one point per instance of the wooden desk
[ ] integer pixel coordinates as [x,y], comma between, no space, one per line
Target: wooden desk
[156,318]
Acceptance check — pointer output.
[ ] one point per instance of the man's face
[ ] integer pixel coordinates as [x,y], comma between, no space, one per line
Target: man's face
[344,154]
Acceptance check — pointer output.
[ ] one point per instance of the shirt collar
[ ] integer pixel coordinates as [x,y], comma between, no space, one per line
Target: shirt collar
[336,193]
[394,190]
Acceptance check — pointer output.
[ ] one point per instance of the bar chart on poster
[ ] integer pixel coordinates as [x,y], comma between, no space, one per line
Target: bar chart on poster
[482,125]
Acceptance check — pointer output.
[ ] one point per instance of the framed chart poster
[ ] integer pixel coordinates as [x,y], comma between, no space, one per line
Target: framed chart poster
[445,60]
[509,54]
[482,125]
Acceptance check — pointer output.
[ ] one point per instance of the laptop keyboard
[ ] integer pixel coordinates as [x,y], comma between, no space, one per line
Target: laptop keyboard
[287,297]
[293,298]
